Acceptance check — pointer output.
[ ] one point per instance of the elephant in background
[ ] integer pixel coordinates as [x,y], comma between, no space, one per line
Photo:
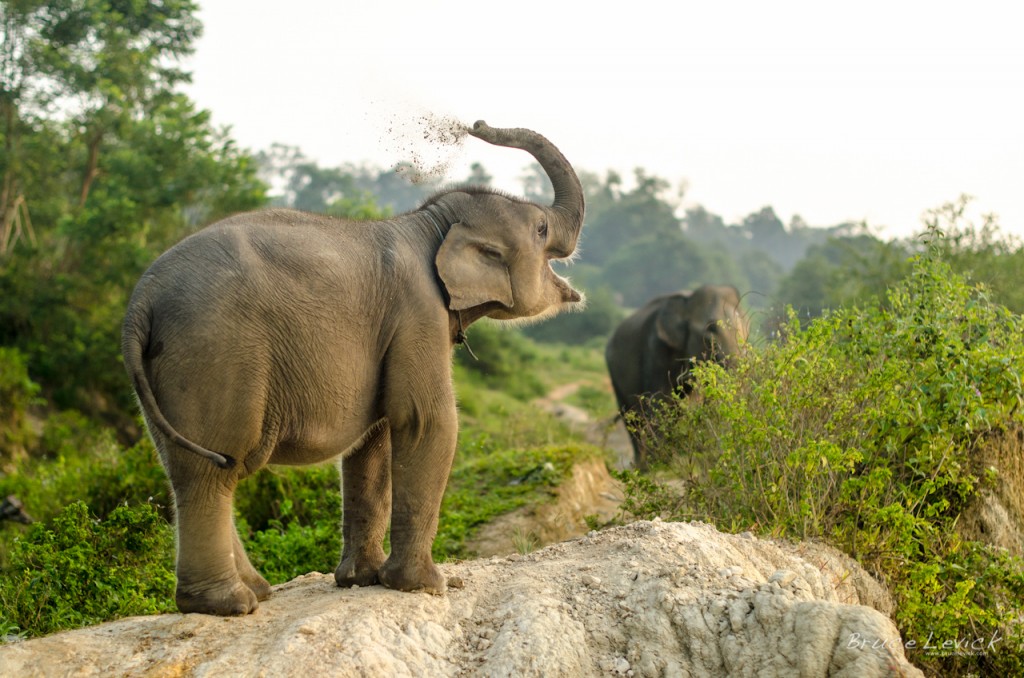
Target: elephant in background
[284,337]
[651,353]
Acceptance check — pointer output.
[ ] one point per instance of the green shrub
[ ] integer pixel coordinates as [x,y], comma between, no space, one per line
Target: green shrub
[17,392]
[866,428]
[290,520]
[288,547]
[502,358]
[83,462]
[77,570]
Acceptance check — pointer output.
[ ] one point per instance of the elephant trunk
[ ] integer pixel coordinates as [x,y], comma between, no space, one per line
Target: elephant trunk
[568,208]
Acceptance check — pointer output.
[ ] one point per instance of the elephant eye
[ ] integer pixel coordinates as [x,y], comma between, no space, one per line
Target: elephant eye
[542,229]
[490,253]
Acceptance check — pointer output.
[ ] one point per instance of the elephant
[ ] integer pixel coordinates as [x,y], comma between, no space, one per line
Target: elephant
[650,354]
[284,337]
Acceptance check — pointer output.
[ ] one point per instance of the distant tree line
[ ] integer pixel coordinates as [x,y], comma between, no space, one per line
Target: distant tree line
[639,242]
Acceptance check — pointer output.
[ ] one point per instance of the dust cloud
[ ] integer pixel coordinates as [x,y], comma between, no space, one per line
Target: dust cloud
[428,143]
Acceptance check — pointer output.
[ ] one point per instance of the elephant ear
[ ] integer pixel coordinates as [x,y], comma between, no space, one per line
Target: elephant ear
[672,321]
[472,270]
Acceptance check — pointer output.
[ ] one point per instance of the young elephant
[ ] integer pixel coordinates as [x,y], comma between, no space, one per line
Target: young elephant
[650,354]
[281,337]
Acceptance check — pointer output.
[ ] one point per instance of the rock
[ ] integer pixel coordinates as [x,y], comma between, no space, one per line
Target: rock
[662,607]
[995,514]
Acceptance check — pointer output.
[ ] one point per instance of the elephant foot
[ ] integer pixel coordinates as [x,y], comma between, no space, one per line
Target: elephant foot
[257,584]
[226,599]
[359,570]
[414,575]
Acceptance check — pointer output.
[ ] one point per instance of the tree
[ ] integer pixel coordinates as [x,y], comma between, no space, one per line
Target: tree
[301,183]
[478,176]
[980,251]
[113,165]
[616,218]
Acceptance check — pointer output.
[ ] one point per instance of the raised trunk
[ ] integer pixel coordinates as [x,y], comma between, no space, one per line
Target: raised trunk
[568,207]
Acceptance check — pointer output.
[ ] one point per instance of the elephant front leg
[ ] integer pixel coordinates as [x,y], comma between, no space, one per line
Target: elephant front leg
[366,497]
[421,461]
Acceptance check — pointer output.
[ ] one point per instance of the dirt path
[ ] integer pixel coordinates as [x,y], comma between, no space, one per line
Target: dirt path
[608,434]
[589,494]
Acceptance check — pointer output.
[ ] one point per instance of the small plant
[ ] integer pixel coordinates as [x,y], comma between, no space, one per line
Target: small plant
[525,541]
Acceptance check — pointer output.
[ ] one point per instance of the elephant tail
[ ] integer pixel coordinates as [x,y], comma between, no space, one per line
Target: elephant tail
[135,337]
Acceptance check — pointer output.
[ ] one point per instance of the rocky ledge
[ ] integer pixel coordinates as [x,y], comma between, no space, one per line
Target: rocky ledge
[646,599]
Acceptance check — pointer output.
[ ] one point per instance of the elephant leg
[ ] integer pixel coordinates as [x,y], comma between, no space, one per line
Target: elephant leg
[424,428]
[208,576]
[639,449]
[250,576]
[366,497]
[633,418]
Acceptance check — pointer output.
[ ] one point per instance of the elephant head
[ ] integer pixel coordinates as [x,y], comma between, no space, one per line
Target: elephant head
[495,257]
[651,352]
[704,325]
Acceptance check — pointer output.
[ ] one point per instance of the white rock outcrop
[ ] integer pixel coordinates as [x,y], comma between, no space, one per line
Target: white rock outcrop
[646,599]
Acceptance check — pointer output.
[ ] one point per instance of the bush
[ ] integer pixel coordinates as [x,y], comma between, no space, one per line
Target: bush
[81,461]
[77,570]
[290,520]
[491,482]
[17,392]
[501,358]
[866,428]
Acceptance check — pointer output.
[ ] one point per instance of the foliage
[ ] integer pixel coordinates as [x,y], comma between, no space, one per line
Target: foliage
[17,392]
[866,428]
[981,251]
[77,570]
[853,266]
[490,480]
[79,460]
[301,183]
[103,166]
[596,321]
[290,520]
[499,355]
[841,272]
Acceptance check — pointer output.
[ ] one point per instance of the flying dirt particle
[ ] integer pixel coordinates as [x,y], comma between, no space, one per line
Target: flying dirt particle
[429,143]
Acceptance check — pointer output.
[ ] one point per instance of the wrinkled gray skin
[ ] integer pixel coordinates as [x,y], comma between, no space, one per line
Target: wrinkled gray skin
[281,337]
[650,354]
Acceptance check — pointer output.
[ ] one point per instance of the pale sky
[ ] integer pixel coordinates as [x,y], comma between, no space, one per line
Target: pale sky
[871,111]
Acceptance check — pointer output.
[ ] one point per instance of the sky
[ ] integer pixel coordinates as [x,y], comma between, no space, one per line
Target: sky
[868,111]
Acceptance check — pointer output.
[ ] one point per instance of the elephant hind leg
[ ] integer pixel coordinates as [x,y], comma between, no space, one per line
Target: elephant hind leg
[366,497]
[207,568]
[208,578]
[249,575]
